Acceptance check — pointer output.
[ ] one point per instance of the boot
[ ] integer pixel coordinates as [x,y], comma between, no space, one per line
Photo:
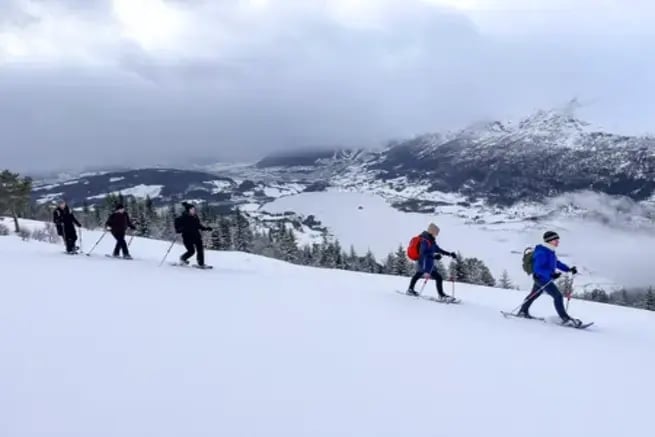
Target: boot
[411,292]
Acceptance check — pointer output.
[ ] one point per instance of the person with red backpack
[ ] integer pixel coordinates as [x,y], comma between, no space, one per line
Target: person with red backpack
[424,250]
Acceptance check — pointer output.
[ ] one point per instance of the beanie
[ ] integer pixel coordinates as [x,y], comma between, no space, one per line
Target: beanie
[550,236]
[433,229]
[119,206]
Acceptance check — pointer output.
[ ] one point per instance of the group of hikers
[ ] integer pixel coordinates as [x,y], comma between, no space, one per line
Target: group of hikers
[187,224]
[545,266]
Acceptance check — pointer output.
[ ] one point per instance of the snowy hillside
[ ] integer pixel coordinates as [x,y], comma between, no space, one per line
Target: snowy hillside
[91,346]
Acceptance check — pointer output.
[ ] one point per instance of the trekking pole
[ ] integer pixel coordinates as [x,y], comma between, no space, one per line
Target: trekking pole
[452,281]
[423,286]
[168,251]
[534,293]
[81,246]
[97,242]
[130,242]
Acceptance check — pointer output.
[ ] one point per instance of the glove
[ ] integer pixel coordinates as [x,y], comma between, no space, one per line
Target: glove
[453,255]
[556,275]
[208,228]
[574,270]
[133,227]
[437,256]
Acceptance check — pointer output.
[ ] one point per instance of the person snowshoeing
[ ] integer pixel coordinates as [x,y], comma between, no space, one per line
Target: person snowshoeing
[545,266]
[429,250]
[118,223]
[188,224]
[65,222]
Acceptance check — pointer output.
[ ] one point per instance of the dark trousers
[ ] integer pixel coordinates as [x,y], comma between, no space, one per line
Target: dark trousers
[537,289]
[69,239]
[70,243]
[193,245]
[121,245]
[434,275]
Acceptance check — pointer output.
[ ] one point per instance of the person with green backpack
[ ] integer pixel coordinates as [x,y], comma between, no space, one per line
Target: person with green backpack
[543,265]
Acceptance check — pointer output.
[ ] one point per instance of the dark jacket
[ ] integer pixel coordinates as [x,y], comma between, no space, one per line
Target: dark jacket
[65,222]
[190,226]
[119,222]
[428,250]
[545,263]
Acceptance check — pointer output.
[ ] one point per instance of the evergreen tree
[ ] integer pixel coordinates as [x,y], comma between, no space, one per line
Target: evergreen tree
[369,264]
[390,264]
[242,232]
[352,260]
[504,281]
[457,269]
[15,192]
[287,245]
[225,230]
[650,300]
[401,265]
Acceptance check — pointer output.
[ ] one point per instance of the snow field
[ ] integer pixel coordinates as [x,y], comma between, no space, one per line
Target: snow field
[258,347]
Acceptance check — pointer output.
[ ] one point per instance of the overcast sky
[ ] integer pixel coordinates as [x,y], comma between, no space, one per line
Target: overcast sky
[91,82]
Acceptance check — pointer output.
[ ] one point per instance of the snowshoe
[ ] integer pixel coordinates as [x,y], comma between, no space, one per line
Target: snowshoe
[411,292]
[203,267]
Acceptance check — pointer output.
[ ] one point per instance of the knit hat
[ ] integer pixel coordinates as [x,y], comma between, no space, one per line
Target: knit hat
[119,206]
[433,229]
[187,206]
[550,236]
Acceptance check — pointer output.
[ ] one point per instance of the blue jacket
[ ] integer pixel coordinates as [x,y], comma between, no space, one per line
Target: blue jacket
[545,263]
[427,250]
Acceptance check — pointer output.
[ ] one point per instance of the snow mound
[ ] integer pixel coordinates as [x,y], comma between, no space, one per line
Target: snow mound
[91,346]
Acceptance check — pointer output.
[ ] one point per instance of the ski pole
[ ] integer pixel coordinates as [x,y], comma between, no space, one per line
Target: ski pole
[452,281]
[168,251]
[130,242]
[534,293]
[97,242]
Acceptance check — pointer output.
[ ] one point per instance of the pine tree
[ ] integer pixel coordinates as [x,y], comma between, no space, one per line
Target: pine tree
[329,254]
[225,230]
[15,192]
[351,261]
[287,245]
[389,265]
[457,269]
[650,300]
[242,233]
[369,264]
[401,265]
[505,281]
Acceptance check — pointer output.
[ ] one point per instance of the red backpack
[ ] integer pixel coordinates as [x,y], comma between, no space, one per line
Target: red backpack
[414,248]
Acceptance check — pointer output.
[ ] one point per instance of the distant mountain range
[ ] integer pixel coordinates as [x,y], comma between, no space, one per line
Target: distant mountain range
[495,164]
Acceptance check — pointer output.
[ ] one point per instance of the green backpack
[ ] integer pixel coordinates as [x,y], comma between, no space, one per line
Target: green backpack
[527,260]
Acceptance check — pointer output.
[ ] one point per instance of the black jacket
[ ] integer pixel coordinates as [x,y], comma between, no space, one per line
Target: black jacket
[119,222]
[65,221]
[190,226]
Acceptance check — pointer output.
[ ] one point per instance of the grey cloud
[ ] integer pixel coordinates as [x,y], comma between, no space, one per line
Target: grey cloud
[313,83]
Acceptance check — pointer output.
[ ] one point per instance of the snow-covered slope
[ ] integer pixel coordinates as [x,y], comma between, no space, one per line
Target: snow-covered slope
[91,346]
